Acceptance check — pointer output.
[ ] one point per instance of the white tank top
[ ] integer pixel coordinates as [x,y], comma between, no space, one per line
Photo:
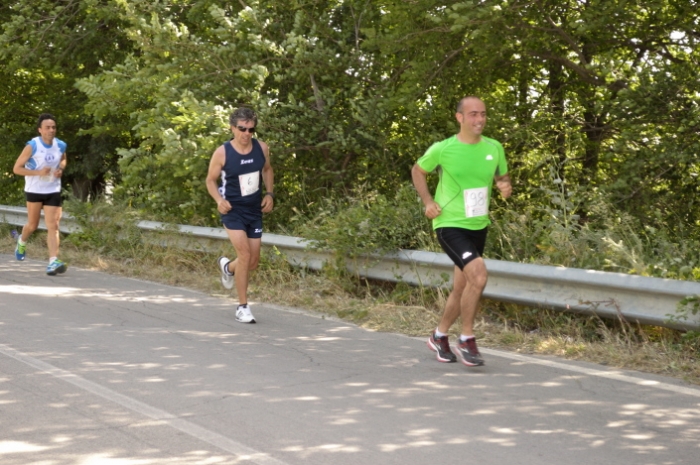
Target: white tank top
[42,156]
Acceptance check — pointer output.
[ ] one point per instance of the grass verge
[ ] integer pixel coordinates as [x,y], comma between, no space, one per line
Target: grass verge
[379,306]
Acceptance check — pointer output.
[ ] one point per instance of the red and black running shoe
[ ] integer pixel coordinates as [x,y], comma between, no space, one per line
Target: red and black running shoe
[441,346]
[469,353]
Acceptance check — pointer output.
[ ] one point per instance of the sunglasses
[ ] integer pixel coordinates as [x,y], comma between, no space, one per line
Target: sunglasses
[242,129]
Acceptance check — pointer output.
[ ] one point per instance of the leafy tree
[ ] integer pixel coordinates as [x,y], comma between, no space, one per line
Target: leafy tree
[598,121]
[44,48]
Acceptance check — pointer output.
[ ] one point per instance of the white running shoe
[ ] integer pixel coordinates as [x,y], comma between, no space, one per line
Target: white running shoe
[244,315]
[226,277]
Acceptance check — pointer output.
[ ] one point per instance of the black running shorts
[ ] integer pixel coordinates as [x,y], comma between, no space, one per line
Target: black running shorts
[248,220]
[462,245]
[52,200]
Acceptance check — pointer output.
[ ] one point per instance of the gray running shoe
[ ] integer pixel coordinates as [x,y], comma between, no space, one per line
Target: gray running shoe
[469,353]
[226,277]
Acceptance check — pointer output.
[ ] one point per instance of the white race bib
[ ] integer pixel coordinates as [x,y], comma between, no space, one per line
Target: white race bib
[250,183]
[476,202]
[51,177]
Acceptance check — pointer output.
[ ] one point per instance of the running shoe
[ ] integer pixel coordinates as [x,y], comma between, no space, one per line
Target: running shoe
[243,314]
[20,250]
[441,346]
[469,353]
[226,277]
[56,267]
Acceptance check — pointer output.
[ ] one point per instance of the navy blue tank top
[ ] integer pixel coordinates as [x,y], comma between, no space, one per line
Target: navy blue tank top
[241,176]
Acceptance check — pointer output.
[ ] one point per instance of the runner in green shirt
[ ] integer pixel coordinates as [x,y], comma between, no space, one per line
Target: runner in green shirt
[468,163]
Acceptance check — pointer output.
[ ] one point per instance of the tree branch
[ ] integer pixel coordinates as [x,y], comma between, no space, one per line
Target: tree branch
[317,94]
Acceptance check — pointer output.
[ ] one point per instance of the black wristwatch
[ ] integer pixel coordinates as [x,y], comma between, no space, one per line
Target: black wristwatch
[271,194]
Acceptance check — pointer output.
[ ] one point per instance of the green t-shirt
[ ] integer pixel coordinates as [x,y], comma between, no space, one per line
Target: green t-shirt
[466,180]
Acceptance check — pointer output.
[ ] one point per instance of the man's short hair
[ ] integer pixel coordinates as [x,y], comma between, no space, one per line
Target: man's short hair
[243,114]
[44,116]
[460,105]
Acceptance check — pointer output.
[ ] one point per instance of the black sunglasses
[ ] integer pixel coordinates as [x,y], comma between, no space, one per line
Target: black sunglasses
[242,129]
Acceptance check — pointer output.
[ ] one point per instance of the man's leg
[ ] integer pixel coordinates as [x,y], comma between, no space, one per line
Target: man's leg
[464,299]
[254,248]
[247,259]
[33,216]
[453,304]
[52,217]
[475,276]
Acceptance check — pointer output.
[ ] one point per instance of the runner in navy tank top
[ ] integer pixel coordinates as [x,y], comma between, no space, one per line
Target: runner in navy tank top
[240,179]
[241,164]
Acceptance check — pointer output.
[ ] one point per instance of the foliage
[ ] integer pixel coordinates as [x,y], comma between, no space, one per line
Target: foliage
[368,222]
[44,48]
[600,123]
[686,308]
[609,239]
[107,228]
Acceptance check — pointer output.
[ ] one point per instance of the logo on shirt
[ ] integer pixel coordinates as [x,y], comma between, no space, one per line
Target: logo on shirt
[489,157]
[245,162]
[466,255]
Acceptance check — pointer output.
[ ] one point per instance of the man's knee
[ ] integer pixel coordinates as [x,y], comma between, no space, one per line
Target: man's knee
[254,261]
[476,274]
[480,279]
[52,225]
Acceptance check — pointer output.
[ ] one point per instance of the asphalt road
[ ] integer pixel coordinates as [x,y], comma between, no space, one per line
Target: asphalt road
[97,369]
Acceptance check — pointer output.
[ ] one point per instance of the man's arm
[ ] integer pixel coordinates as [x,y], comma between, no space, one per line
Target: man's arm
[268,176]
[61,166]
[503,184]
[216,164]
[22,160]
[420,182]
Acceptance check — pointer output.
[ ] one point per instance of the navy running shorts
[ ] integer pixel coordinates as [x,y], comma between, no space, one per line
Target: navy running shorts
[245,219]
[53,199]
[462,245]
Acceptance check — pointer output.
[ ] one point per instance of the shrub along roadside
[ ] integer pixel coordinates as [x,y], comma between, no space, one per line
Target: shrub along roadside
[112,245]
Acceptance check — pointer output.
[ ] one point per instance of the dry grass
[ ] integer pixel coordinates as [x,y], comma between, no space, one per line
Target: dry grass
[401,308]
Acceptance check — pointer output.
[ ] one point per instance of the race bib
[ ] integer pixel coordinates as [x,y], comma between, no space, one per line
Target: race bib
[250,183]
[476,202]
[51,177]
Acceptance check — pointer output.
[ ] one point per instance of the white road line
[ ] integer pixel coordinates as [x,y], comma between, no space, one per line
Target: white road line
[616,375]
[242,451]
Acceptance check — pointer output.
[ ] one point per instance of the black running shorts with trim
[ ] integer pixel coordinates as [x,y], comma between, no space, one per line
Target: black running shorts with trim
[245,219]
[53,199]
[462,245]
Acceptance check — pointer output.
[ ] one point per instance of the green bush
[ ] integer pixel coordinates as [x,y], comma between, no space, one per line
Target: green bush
[368,222]
[607,239]
[108,228]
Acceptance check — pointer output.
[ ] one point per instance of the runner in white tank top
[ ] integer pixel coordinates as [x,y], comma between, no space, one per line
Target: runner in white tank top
[42,163]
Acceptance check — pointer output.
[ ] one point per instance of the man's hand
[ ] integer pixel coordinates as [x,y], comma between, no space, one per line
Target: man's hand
[267,203]
[432,210]
[504,186]
[223,206]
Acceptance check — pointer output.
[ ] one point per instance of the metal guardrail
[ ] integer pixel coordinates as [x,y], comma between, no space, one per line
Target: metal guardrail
[610,295]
